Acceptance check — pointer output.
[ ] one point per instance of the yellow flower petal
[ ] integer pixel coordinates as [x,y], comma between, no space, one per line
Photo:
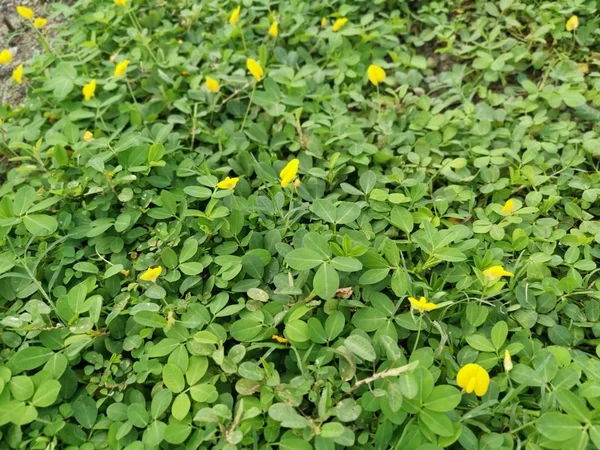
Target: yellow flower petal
[235,15]
[121,2]
[5,56]
[508,364]
[212,85]
[89,89]
[289,172]
[26,13]
[228,183]
[323,22]
[572,23]
[508,206]
[88,136]
[421,305]
[583,68]
[255,68]
[121,68]
[151,274]
[495,272]
[274,30]
[338,24]
[376,74]
[18,74]
[279,339]
[40,22]
[473,377]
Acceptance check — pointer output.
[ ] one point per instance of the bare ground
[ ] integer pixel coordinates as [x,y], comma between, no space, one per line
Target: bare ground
[22,40]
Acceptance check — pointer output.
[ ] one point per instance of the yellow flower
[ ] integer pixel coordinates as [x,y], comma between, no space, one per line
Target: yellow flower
[151,274]
[323,22]
[26,13]
[5,56]
[496,272]
[289,172]
[274,30]
[121,68]
[212,85]
[235,15]
[583,68]
[18,74]
[255,69]
[508,365]
[121,2]
[89,89]
[421,305]
[508,206]
[572,23]
[40,22]
[338,24]
[473,377]
[228,183]
[88,136]
[376,74]
[279,339]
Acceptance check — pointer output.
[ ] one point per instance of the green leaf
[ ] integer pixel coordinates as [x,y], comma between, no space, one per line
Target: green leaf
[177,432]
[46,394]
[317,243]
[163,348]
[402,219]
[40,224]
[436,422]
[346,213]
[334,325]
[573,405]
[324,209]
[137,415]
[85,411]
[316,331]
[558,427]
[245,329]
[360,346]
[150,319]
[191,268]
[369,319]
[181,406]
[443,398]
[297,330]
[346,264]
[21,387]
[287,415]
[189,249]
[499,333]
[294,444]
[303,259]
[204,393]
[23,199]
[480,342]
[326,282]
[31,358]
[160,402]
[173,377]
[373,276]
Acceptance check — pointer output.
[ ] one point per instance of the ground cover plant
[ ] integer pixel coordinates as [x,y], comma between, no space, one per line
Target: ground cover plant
[301,225]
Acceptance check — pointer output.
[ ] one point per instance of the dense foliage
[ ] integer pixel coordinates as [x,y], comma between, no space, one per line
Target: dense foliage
[148,301]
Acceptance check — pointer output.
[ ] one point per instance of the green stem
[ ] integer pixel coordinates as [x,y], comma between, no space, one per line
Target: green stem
[249,105]
[243,38]
[378,102]
[418,333]
[142,37]
[131,91]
